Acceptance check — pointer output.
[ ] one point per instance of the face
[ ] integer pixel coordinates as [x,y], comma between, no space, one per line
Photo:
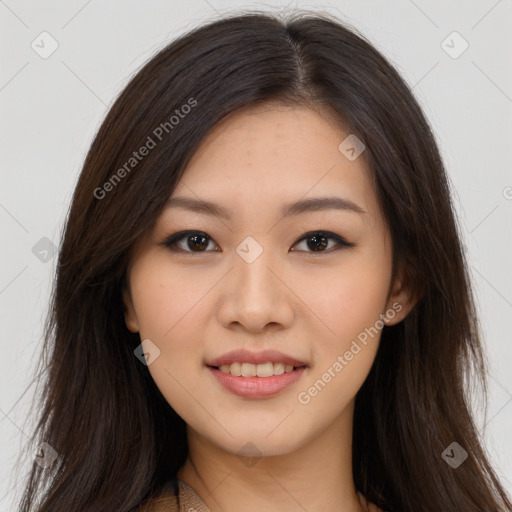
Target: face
[308,286]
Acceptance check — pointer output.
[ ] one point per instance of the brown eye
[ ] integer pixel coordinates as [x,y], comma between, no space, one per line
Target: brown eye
[318,241]
[199,242]
[188,241]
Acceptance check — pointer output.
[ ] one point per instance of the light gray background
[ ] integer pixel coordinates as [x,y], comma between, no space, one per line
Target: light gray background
[51,108]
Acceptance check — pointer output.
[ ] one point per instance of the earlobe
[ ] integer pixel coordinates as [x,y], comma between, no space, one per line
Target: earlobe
[400,303]
[130,317]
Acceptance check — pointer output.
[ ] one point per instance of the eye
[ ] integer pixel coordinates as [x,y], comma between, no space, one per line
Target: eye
[188,241]
[318,241]
[199,241]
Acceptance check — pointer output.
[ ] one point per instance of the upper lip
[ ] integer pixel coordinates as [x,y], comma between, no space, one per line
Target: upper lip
[245,356]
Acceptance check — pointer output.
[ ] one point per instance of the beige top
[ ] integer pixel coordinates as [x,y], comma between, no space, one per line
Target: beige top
[191,502]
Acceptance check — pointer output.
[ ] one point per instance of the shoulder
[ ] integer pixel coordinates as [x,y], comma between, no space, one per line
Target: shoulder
[189,500]
[371,507]
[367,505]
[168,501]
[165,502]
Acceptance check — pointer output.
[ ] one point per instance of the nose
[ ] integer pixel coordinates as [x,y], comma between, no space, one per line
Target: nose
[255,296]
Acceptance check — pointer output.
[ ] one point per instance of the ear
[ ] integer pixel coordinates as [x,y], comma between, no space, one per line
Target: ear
[130,317]
[401,300]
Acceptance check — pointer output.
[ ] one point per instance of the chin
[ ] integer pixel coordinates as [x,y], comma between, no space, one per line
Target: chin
[253,443]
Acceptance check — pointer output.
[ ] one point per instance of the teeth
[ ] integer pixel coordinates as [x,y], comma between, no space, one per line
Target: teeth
[249,370]
[253,370]
[234,369]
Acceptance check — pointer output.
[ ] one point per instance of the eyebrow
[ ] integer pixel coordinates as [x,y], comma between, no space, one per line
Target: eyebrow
[314,204]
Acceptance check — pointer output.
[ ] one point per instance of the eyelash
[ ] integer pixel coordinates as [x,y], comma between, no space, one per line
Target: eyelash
[172,241]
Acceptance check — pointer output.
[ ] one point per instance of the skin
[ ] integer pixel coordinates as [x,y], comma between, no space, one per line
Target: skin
[195,306]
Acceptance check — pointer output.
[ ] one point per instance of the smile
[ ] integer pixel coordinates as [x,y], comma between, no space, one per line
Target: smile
[256,370]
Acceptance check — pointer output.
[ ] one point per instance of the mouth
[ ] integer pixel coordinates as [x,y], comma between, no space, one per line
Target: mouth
[262,370]
[256,381]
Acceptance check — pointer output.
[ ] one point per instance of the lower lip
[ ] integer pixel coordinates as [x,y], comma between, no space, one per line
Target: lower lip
[257,387]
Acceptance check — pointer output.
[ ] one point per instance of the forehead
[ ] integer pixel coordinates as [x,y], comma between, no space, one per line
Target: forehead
[272,154]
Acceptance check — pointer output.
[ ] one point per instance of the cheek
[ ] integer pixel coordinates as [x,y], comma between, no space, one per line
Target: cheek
[171,321]
[345,353]
[166,298]
[171,306]
[167,319]
[348,299]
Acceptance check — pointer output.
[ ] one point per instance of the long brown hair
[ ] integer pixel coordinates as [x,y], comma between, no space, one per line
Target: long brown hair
[117,441]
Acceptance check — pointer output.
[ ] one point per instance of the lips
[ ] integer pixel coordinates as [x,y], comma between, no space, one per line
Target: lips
[257,387]
[245,356]
[239,372]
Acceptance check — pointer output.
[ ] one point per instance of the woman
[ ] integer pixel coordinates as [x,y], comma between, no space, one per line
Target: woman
[261,297]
